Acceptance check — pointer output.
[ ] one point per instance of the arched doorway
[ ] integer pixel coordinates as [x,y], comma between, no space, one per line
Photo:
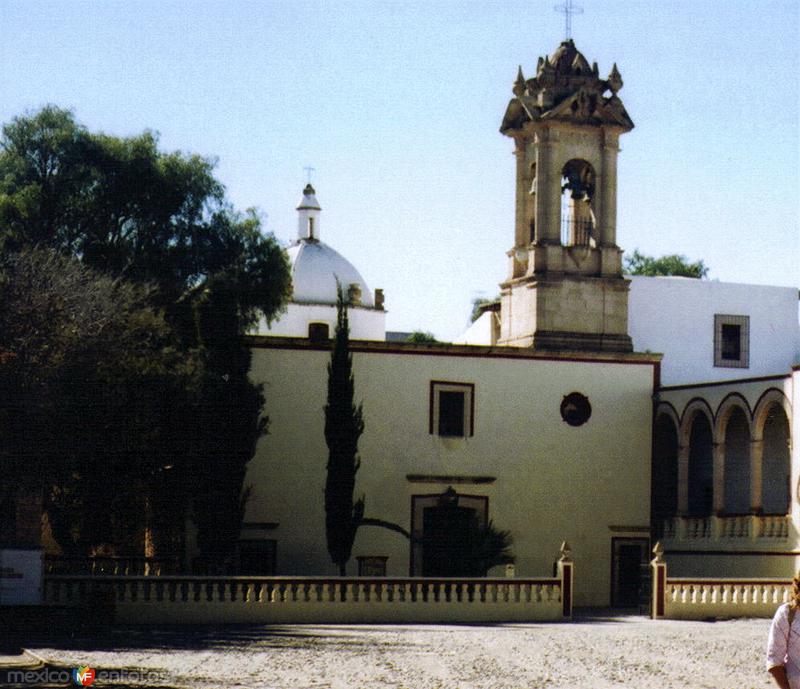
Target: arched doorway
[664,503]
[701,467]
[776,465]
[737,463]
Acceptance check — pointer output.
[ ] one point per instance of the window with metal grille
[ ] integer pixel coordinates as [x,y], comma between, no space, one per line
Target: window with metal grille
[731,341]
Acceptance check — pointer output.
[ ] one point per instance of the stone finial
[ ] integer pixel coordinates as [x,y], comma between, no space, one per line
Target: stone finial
[658,551]
[519,84]
[614,79]
[354,294]
[566,552]
[379,299]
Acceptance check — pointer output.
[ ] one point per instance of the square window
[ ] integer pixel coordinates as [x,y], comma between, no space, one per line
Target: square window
[451,409]
[731,341]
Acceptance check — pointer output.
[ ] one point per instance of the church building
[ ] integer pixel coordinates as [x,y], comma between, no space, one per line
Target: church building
[585,406]
[533,432]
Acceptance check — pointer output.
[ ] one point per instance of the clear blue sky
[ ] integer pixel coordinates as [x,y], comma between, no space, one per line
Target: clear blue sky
[397,105]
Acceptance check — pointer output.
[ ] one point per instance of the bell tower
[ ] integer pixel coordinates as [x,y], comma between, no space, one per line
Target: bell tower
[565,289]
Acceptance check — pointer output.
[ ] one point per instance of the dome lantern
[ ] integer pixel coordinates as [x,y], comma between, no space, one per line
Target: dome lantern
[308,215]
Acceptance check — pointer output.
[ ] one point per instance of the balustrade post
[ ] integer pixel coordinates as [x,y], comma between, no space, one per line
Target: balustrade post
[658,595]
[716,526]
[565,573]
[754,526]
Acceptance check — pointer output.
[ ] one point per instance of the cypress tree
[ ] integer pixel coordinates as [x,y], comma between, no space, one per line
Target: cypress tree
[344,425]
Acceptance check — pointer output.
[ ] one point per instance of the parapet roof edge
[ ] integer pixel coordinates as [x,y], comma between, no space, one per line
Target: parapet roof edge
[447,349]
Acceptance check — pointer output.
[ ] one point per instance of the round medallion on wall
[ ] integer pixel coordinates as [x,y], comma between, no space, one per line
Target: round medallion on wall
[575,409]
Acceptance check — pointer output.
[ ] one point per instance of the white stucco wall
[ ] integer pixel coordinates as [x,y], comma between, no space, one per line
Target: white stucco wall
[365,324]
[553,482]
[479,332]
[675,316]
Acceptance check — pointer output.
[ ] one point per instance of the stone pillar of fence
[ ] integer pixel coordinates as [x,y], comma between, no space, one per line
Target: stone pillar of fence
[658,596]
[565,574]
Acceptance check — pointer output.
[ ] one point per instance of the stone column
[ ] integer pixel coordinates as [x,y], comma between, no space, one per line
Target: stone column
[519,222]
[683,480]
[608,189]
[756,464]
[718,454]
[548,193]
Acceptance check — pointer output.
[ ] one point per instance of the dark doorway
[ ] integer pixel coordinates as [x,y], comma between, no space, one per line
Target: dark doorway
[627,557]
[446,532]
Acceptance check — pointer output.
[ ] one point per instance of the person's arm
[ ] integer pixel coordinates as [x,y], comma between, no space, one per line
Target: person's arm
[778,647]
[779,675]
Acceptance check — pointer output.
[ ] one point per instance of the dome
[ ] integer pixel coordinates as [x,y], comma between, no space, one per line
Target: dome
[316,267]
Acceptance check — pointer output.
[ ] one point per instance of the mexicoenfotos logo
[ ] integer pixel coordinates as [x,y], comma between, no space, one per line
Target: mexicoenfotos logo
[83,675]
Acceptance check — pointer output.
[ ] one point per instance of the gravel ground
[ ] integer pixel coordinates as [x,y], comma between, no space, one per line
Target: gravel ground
[590,653]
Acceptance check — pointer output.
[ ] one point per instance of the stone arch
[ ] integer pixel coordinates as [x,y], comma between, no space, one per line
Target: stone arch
[768,399]
[693,406]
[772,444]
[731,402]
[664,481]
[737,472]
[697,433]
[732,432]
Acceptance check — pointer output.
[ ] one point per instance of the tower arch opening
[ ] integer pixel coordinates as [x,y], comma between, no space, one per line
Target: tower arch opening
[577,203]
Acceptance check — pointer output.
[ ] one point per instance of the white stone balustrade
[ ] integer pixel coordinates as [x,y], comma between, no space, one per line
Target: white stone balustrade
[701,598]
[746,526]
[288,600]
[774,526]
[692,599]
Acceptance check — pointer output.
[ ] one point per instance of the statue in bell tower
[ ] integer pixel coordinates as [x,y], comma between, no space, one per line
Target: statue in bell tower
[565,288]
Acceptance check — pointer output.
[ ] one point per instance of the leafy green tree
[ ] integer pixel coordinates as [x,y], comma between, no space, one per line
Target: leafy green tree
[672,264]
[421,337]
[344,424]
[129,211]
[479,305]
[77,420]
